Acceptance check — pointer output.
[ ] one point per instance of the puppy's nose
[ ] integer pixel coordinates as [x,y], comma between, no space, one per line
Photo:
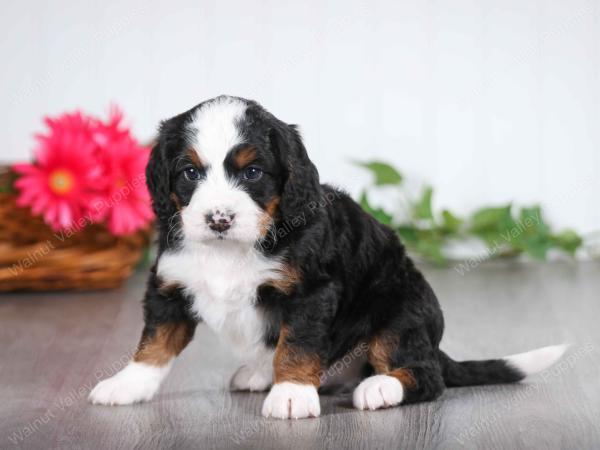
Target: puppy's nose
[219,221]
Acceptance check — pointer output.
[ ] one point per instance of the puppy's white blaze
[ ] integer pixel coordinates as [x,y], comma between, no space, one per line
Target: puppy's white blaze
[535,361]
[213,133]
[137,382]
[214,130]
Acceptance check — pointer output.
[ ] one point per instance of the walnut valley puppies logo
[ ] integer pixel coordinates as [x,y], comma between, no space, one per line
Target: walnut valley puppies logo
[32,258]
[496,245]
[125,190]
[301,219]
[344,363]
[523,393]
[72,397]
[100,207]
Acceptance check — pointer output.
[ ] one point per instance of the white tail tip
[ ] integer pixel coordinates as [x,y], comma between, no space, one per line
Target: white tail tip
[536,360]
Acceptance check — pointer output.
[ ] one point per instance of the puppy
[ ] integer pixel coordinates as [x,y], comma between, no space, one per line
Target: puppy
[291,273]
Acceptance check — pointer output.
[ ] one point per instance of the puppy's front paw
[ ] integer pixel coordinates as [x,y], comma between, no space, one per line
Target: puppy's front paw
[378,391]
[292,401]
[138,382]
[247,378]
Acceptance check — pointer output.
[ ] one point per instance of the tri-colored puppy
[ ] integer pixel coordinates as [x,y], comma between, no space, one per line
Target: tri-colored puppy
[290,272]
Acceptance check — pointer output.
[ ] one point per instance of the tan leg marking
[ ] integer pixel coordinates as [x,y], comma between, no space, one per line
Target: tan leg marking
[293,364]
[167,342]
[380,351]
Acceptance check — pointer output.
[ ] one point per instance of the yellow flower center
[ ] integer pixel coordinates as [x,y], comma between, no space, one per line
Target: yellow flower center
[120,182]
[61,181]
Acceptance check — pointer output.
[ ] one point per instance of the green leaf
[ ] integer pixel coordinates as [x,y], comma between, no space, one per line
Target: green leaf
[422,209]
[530,233]
[450,222]
[379,214]
[568,241]
[504,233]
[384,173]
[430,248]
[408,233]
[531,219]
[492,239]
[537,246]
[146,258]
[427,243]
[495,219]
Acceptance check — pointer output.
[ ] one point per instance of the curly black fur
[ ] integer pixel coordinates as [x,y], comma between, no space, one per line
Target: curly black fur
[357,282]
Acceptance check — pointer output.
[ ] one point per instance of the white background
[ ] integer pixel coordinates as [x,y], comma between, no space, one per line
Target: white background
[491,101]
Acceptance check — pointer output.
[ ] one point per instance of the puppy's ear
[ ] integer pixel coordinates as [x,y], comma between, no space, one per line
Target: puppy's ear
[158,181]
[301,180]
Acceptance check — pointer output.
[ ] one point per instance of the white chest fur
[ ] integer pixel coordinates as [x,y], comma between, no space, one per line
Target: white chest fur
[222,278]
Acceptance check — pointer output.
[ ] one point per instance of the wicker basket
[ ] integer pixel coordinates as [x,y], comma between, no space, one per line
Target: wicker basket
[34,257]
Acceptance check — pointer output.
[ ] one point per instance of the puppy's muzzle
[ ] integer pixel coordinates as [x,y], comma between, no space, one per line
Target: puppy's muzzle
[219,221]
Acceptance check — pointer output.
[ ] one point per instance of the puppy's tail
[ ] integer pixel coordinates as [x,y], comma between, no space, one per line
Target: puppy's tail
[493,371]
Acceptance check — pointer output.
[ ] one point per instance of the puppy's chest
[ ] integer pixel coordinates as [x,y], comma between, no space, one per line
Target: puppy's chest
[223,285]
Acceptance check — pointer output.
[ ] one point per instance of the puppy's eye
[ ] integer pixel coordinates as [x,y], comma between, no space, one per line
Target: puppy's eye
[252,173]
[192,174]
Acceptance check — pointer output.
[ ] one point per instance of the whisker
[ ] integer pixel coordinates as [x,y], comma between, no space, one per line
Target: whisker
[172,226]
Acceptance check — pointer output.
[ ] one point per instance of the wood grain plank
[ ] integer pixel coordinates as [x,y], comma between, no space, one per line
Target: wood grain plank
[53,348]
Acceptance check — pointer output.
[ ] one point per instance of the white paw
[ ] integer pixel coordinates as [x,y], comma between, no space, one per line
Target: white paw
[378,391]
[247,378]
[292,401]
[138,382]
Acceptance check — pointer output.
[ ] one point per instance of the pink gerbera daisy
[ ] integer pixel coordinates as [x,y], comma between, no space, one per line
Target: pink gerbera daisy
[86,171]
[127,205]
[62,183]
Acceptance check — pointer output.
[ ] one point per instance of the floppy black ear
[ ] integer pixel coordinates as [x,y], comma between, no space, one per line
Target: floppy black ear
[301,178]
[158,181]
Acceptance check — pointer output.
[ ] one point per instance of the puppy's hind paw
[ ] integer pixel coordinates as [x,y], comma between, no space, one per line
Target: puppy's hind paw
[378,391]
[247,378]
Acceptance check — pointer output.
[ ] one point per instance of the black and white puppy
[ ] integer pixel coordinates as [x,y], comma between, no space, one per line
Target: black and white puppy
[292,274]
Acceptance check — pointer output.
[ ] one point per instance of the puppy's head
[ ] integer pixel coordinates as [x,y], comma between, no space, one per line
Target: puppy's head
[228,170]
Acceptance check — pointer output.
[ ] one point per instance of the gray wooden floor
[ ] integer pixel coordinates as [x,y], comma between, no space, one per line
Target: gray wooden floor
[53,348]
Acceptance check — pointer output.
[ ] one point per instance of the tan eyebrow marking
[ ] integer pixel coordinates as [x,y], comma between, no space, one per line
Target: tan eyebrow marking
[193,155]
[244,156]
